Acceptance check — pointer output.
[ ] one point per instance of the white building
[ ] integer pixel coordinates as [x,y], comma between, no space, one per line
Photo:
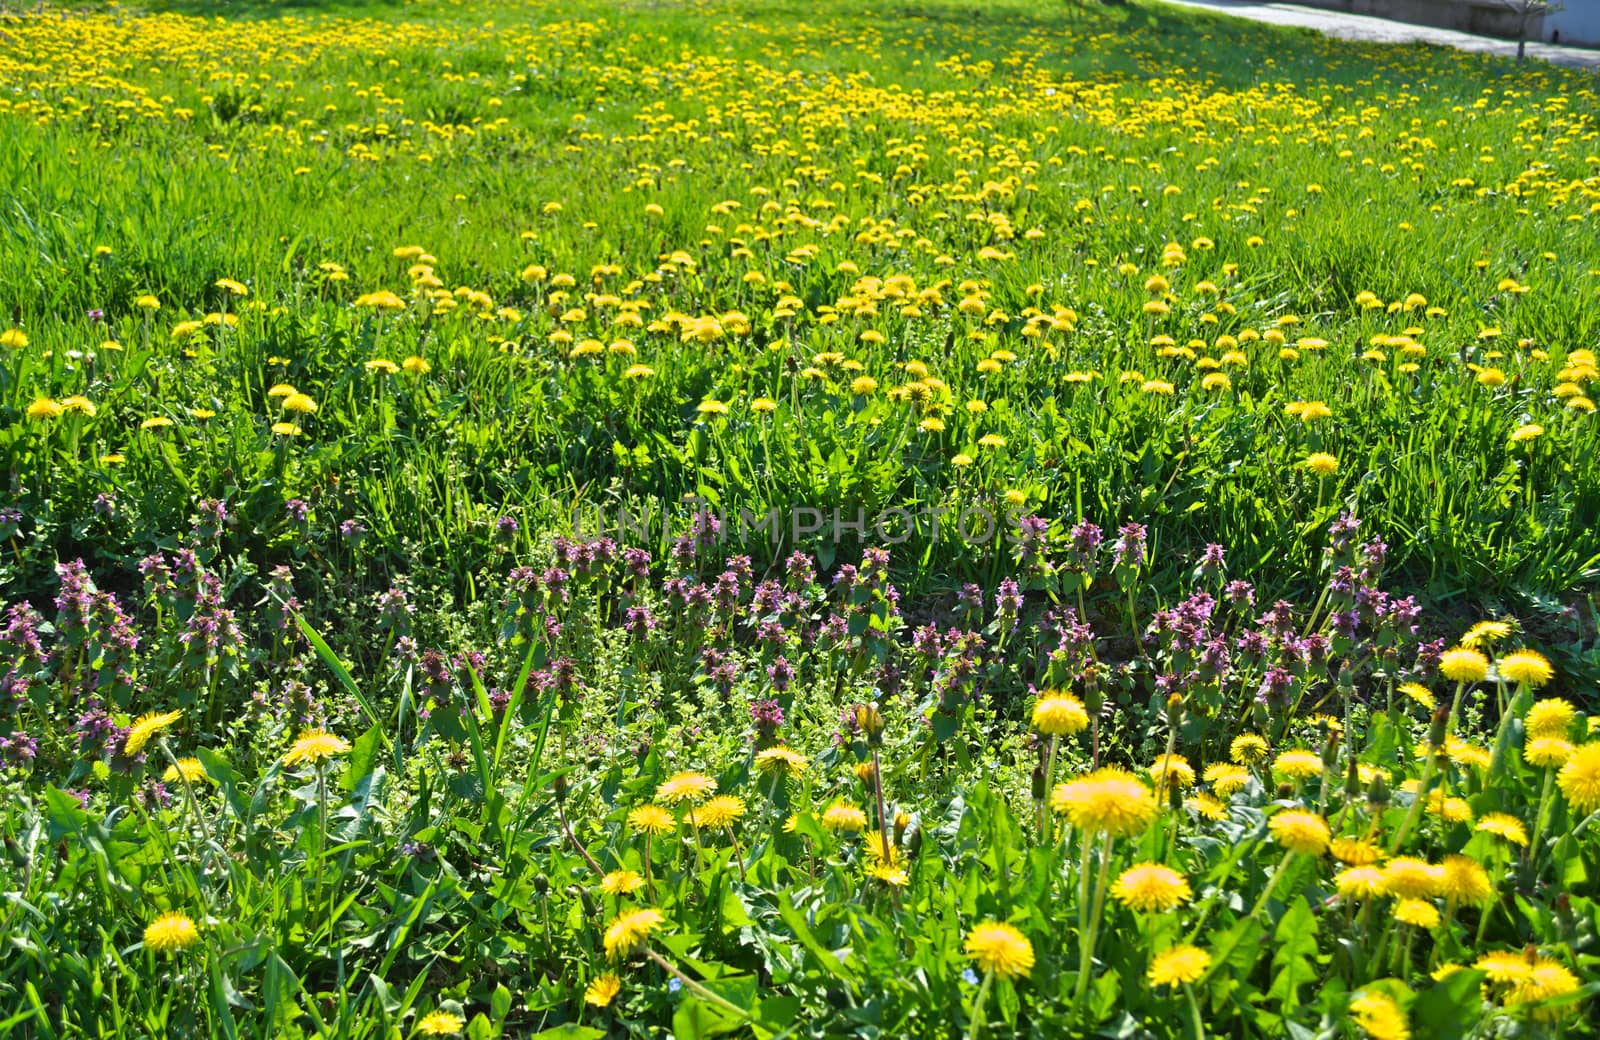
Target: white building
[1577,22]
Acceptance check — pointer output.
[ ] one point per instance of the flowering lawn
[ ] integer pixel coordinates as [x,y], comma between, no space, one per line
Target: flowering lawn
[792,520]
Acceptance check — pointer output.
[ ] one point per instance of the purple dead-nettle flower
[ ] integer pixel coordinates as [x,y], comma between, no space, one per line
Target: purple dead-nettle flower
[637,564]
[1241,593]
[297,509]
[564,677]
[1129,548]
[638,623]
[1008,600]
[706,530]
[352,530]
[1316,647]
[925,642]
[727,590]
[683,550]
[1213,560]
[1031,532]
[556,582]
[105,503]
[970,597]
[701,596]
[405,650]
[887,680]
[1215,658]
[773,634]
[552,629]
[1428,655]
[1083,545]
[875,564]
[1403,614]
[800,569]
[768,719]
[1275,686]
[499,700]
[781,672]
[505,528]
[1168,684]
[474,660]
[768,598]
[1341,532]
[1280,619]
[74,600]
[18,749]
[95,732]
[846,579]
[1254,645]
[562,550]
[10,523]
[394,609]
[837,627]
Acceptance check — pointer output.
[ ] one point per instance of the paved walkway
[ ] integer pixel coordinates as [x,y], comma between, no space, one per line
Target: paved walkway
[1381,30]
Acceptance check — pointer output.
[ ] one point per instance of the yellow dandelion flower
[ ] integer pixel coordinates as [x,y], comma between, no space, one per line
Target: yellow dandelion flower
[1465,880]
[685,787]
[1299,831]
[621,883]
[1464,665]
[1546,752]
[1178,966]
[722,811]
[1406,877]
[1151,887]
[1357,883]
[1354,852]
[651,819]
[1505,827]
[1579,779]
[1418,913]
[781,760]
[314,745]
[627,932]
[1059,714]
[1298,764]
[1551,717]
[999,948]
[1107,801]
[171,932]
[1322,464]
[602,990]
[146,728]
[1248,749]
[1525,666]
[440,1023]
[842,817]
[188,770]
[1379,1017]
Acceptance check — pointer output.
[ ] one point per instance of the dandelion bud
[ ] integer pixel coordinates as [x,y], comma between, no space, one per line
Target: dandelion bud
[1174,709]
[1352,781]
[870,721]
[914,842]
[560,786]
[585,897]
[1441,723]
[1378,790]
[1039,782]
[1093,699]
[902,820]
[1330,751]
[541,885]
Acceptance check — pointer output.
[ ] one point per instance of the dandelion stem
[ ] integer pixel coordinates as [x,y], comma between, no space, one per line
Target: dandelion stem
[1194,1014]
[1088,942]
[979,1004]
[698,989]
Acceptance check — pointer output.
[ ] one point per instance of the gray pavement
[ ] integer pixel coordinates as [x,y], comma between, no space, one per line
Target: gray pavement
[1368,29]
